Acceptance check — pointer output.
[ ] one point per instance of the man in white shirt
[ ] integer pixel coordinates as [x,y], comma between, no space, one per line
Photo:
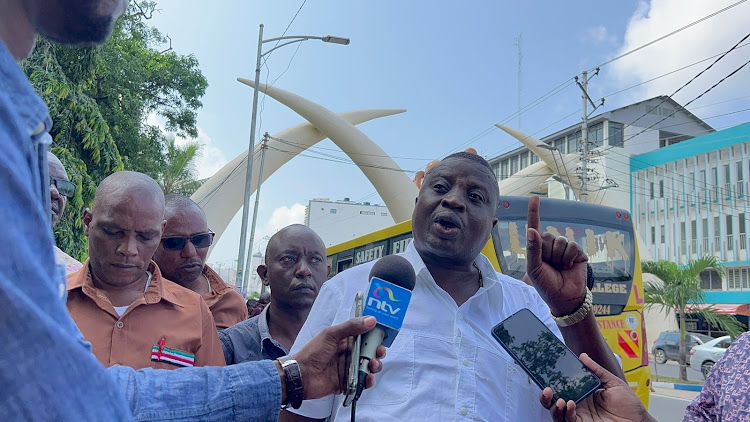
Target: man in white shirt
[444,364]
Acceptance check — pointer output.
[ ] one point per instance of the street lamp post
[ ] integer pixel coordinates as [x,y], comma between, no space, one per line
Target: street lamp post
[250,153]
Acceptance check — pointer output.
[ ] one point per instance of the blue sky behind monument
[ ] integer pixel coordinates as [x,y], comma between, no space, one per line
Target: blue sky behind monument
[453,66]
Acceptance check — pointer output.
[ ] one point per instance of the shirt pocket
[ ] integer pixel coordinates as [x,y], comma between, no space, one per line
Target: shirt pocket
[522,395]
[394,384]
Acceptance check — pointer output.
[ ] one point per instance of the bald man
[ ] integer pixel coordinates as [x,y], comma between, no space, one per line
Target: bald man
[131,314]
[295,268]
[181,257]
[60,189]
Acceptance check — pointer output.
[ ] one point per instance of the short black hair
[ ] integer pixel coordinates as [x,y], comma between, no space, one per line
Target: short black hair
[478,159]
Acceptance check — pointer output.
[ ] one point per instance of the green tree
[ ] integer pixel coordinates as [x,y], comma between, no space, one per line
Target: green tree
[681,287]
[178,173]
[100,98]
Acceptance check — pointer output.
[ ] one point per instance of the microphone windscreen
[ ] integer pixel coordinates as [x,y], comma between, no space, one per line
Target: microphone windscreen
[395,269]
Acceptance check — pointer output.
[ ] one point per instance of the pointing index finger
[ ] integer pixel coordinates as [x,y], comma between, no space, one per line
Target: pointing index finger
[533,216]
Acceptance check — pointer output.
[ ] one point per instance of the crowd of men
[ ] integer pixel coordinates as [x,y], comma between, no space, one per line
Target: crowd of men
[145,299]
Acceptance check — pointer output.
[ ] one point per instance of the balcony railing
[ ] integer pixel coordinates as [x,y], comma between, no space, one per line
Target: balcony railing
[704,246]
[742,240]
[730,242]
[740,188]
[717,243]
[728,190]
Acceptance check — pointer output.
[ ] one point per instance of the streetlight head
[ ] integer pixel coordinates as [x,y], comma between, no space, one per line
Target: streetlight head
[336,40]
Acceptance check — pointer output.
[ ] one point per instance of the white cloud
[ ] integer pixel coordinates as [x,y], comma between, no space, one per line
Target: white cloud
[600,35]
[713,36]
[211,158]
[280,218]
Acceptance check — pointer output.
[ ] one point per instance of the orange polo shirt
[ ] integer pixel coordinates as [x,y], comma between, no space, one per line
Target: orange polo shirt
[167,328]
[226,304]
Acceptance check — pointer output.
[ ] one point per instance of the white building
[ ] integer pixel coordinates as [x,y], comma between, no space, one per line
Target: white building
[339,221]
[613,137]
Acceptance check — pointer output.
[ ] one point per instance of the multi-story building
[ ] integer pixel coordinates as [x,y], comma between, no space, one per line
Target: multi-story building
[338,221]
[613,137]
[691,199]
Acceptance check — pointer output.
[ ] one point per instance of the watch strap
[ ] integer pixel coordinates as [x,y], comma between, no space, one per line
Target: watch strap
[578,315]
[293,380]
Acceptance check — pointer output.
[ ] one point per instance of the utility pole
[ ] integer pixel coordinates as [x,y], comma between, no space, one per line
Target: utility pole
[246,275]
[585,99]
[519,46]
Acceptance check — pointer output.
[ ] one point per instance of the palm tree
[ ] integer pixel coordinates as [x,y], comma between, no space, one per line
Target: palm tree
[681,287]
[179,173]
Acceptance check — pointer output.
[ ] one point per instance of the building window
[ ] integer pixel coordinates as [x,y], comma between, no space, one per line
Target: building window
[710,280]
[384,214]
[730,240]
[694,236]
[574,142]
[742,230]
[652,190]
[717,235]
[661,188]
[367,213]
[704,248]
[727,181]
[596,135]
[683,239]
[662,234]
[715,181]
[534,158]
[333,210]
[524,160]
[615,134]
[653,235]
[513,165]
[740,189]
[504,169]
[560,145]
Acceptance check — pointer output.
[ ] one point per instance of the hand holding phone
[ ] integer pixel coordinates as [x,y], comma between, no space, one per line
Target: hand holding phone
[544,357]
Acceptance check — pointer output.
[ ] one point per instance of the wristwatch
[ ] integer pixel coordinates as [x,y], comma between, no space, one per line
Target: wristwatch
[293,380]
[578,315]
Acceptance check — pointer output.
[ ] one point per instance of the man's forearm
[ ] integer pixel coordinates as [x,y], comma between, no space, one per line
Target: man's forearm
[244,392]
[586,337]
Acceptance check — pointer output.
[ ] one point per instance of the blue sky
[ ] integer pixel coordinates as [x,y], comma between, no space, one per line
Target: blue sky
[452,65]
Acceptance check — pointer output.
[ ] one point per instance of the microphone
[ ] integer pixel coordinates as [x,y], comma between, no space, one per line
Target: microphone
[392,279]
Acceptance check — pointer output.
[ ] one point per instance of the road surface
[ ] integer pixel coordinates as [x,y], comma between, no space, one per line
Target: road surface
[672,369]
[667,409]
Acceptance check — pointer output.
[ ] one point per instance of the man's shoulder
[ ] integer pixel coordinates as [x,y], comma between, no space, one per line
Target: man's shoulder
[182,296]
[245,328]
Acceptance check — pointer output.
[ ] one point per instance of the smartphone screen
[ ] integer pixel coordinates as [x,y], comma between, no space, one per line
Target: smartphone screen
[544,357]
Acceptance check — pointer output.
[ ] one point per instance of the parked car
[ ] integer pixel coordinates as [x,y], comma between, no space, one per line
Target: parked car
[667,345]
[704,356]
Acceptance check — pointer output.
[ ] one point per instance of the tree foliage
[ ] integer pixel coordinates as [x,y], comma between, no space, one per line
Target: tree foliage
[100,98]
[681,287]
[179,173]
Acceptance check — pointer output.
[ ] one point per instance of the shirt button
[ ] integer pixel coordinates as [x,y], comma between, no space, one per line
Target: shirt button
[119,324]
[464,411]
[465,362]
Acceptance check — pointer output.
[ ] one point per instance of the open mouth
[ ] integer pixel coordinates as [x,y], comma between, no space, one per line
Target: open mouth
[447,225]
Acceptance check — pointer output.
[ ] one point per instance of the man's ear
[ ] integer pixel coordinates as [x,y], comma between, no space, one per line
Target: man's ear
[164,227]
[263,274]
[494,222]
[328,273]
[87,217]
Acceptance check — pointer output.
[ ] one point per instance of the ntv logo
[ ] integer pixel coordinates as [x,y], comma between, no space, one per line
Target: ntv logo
[380,302]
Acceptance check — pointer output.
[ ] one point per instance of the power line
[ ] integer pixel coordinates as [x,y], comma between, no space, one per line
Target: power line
[669,34]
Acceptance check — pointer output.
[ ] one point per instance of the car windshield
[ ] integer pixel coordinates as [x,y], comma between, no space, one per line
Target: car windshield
[703,338]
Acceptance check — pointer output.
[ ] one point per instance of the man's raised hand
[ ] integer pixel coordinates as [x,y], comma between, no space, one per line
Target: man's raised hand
[556,266]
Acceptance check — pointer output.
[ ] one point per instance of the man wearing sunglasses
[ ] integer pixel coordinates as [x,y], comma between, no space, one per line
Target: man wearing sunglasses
[60,189]
[130,313]
[181,257]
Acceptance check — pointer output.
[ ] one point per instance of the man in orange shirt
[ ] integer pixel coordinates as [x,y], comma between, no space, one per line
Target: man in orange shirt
[129,313]
[181,256]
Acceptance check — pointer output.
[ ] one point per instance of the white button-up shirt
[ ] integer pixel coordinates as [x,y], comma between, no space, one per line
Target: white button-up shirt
[444,365]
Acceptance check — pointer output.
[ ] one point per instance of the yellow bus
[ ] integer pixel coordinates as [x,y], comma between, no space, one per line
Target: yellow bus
[606,234]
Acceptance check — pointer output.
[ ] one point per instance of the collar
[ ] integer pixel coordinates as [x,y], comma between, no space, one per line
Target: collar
[263,326]
[218,286]
[28,106]
[483,264]
[155,292]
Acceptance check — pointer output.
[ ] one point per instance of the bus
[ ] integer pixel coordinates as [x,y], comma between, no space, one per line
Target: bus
[606,234]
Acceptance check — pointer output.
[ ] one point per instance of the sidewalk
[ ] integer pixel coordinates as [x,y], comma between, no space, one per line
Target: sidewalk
[681,394]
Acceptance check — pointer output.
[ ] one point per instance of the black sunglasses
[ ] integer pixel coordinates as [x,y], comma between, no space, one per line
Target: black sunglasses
[65,187]
[177,243]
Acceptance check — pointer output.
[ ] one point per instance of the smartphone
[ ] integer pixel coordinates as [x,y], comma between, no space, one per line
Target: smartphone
[544,357]
[353,372]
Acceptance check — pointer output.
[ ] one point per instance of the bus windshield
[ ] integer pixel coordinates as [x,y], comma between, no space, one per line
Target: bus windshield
[610,251]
